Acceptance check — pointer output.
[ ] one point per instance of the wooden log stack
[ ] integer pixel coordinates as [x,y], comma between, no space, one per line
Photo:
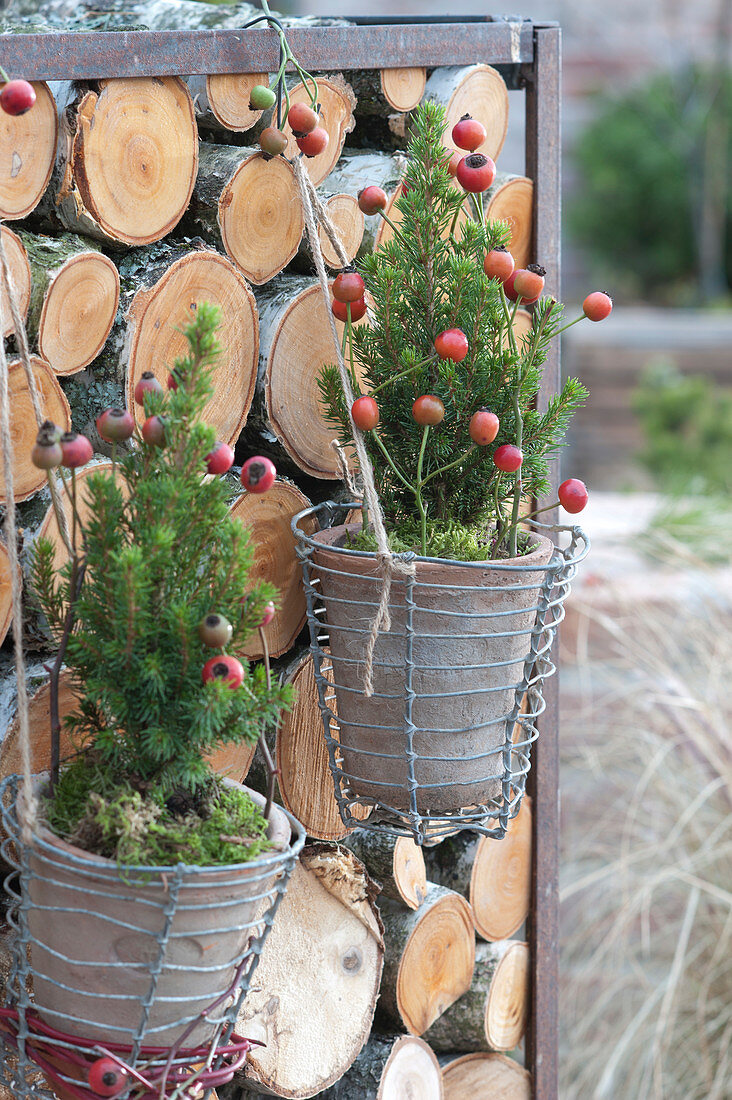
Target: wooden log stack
[113,244]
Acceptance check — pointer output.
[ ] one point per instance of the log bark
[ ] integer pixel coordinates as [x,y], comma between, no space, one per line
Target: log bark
[485,1075]
[318,978]
[357,169]
[248,205]
[27,154]
[20,274]
[74,299]
[478,90]
[492,1014]
[268,517]
[127,159]
[390,1067]
[380,91]
[295,344]
[27,478]
[430,954]
[396,863]
[305,780]
[494,875]
[349,224]
[511,199]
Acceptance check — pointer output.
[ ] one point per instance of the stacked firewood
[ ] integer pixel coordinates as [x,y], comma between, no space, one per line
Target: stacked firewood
[131,201]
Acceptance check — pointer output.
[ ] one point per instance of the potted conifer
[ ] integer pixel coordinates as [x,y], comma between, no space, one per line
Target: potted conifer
[147,876]
[446,408]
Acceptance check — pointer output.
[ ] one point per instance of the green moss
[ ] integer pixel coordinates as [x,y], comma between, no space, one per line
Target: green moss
[115,820]
[451,540]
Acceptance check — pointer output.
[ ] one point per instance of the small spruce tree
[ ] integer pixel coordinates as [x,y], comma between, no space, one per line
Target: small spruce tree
[159,553]
[429,278]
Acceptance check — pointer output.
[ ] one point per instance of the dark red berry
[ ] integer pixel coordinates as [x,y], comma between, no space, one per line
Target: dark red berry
[340,309]
[372,199]
[573,495]
[107,1077]
[269,614]
[313,143]
[220,459]
[173,382]
[258,474]
[302,119]
[428,409]
[508,288]
[508,458]
[272,141]
[475,173]
[153,431]
[17,97]
[147,383]
[499,264]
[365,413]
[468,133]
[597,306]
[224,668]
[528,283]
[484,426]
[76,449]
[452,344]
[215,631]
[47,452]
[348,287]
[115,425]
[452,164]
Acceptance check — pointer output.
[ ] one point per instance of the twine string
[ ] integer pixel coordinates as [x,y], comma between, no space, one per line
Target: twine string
[388,565]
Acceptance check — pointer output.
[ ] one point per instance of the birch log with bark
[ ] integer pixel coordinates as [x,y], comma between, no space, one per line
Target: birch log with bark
[74,299]
[430,954]
[27,478]
[494,875]
[478,90]
[249,205]
[492,1014]
[485,1075]
[317,982]
[126,161]
[390,1067]
[380,91]
[336,106]
[359,168]
[396,863]
[20,275]
[349,223]
[27,154]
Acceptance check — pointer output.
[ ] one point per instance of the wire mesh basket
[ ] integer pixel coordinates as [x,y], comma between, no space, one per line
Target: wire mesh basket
[147,964]
[444,742]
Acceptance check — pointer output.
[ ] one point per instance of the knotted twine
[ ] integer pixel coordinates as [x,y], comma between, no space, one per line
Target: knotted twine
[27,803]
[388,565]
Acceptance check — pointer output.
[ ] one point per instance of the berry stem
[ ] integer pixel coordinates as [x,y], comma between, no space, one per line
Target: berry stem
[402,374]
[479,203]
[269,762]
[387,456]
[420,502]
[518,487]
[570,323]
[457,462]
[4,76]
[394,227]
[349,334]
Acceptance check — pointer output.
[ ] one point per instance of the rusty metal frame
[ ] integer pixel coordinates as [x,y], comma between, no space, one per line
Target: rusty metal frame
[528,55]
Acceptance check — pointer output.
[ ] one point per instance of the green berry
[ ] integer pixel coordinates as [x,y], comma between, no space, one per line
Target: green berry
[261,97]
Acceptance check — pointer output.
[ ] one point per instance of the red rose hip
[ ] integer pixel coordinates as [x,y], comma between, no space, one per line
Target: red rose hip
[528,283]
[484,426]
[47,452]
[499,264]
[115,425]
[314,143]
[468,133]
[258,474]
[220,459]
[365,413]
[147,383]
[348,287]
[224,668]
[475,173]
[508,458]
[372,199]
[428,409]
[573,495]
[153,431]
[107,1077]
[76,450]
[302,119]
[269,614]
[17,97]
[340,310]
[452,344]
[597,306]
[272,141]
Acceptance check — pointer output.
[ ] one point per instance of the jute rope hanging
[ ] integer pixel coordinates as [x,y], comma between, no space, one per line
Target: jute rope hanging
[388,565]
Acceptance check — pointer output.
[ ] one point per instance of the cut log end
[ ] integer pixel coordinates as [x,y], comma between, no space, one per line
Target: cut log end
[410,876]
[78,312]
[483,1075]
[268,517]
[403,88]
[336,102]
[158,315]
[349,223]
[20,273]
[500,887]
[6,595]
[27,478]
[511,200]
[228,97]
[508,1000]
[27,154]
[412,1070]
[477,90]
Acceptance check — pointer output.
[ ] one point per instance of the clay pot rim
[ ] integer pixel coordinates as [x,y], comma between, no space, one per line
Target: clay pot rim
[50,847]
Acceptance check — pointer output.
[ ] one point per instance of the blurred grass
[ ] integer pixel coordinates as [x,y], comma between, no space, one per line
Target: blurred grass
[646,889]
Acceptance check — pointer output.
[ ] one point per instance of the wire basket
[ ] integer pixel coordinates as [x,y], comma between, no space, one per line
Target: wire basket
[163,995]
[444,742]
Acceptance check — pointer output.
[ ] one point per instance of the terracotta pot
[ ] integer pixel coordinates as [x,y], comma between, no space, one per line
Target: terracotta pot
[474,614]
[93,929]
